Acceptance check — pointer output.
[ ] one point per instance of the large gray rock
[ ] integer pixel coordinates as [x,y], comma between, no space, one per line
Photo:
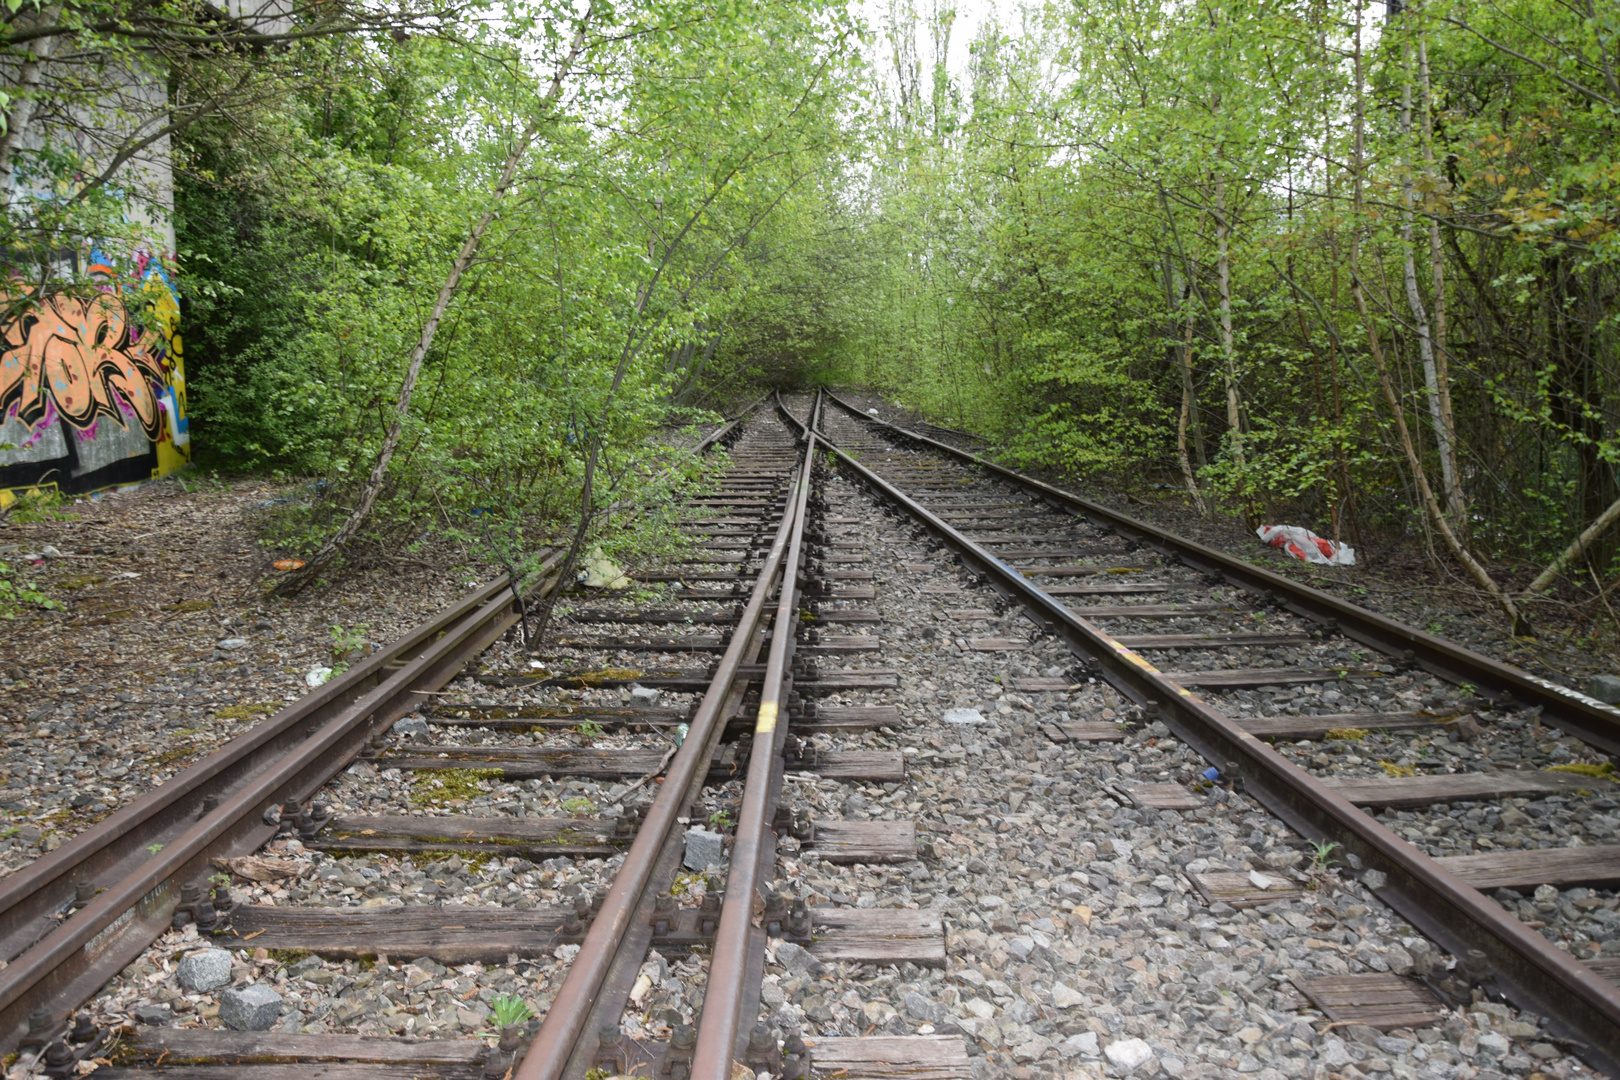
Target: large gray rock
[1606,688]
[704,849]
[250,1008]
[203,970]
[799,960]
[411,725]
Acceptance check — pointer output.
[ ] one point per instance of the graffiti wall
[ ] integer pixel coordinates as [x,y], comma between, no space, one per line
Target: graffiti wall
[92,386]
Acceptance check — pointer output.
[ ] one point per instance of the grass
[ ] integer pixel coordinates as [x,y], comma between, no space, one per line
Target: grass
[1397,770]
[436,787]
[1350,734]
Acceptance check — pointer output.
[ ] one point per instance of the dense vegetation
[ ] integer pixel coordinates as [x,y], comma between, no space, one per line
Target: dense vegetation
[1343,264]
[1327,260]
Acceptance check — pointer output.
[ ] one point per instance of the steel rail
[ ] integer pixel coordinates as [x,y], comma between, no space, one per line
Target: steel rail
[208,809]
[726,989]
[31,897]
[1527,968]
[75,959]
[565,1022]
[721,433]
[1584,717]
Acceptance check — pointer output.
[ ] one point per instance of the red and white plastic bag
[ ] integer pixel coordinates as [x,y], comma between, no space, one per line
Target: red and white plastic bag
[1306,546]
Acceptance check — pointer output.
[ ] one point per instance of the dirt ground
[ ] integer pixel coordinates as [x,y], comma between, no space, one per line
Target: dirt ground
[165,644]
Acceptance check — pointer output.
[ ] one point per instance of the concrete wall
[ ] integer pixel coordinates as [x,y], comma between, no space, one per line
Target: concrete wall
[92,385]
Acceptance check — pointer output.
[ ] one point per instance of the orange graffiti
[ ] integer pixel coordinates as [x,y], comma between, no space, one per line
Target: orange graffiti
[83,355]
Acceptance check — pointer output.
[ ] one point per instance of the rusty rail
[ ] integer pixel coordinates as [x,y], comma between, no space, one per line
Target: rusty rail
[564,1035]
[218,807]
[1584,717]
[1528,969]
[727,989]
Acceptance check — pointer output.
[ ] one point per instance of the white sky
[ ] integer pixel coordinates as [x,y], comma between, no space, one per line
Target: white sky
[970,15]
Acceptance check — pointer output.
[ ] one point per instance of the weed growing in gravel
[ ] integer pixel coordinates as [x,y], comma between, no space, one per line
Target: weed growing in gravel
[244,712]
[14,594]
[1397,770]
[597,678]
[1322,856]
[39,505]
[578,805]
[440,786]
[1604,769]
[509,1009]
[1349,734]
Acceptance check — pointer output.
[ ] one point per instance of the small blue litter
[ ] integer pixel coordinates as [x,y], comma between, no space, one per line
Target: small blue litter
[1212,774]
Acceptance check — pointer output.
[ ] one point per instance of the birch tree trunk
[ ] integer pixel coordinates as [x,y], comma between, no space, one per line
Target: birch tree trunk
[1187,404]
[1420,480]
[1456,500]
[1223,287]
[1414,301]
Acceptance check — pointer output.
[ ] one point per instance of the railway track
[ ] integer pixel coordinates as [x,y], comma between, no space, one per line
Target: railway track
[1225,656]
[912,829]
